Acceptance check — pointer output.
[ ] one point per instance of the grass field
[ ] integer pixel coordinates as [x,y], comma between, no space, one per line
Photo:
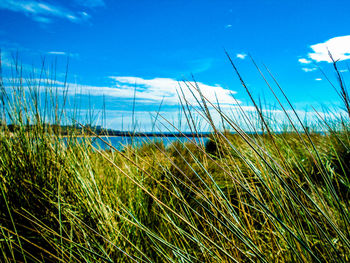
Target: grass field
[271,196]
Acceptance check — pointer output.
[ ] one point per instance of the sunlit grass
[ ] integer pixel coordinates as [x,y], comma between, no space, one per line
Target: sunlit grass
[269,196]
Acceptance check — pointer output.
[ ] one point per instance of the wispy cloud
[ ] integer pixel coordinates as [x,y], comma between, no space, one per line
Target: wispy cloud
[228,26]
[57,53]
[42,12]
[63,53]
[304,61]
[339,47]
[309,69]
[5,59]
[241,56]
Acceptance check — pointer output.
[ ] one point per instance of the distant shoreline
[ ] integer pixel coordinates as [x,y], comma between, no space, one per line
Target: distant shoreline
[67,130]
[127,134]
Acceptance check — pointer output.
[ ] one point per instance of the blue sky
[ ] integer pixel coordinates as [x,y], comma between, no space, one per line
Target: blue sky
[114,45]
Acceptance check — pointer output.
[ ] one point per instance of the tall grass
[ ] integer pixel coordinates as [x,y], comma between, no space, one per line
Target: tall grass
[266,196]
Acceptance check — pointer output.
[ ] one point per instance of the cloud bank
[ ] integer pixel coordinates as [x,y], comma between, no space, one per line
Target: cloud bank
[153,91]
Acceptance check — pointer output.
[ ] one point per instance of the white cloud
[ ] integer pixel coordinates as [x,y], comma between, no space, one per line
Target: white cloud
[151,91]
[304,61]
[309,69]
[241,56]
[318,79]
[41,11]
[154,90]
[228,26]
[339,47]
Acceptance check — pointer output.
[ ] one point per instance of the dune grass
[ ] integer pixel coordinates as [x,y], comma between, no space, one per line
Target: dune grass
[268,196]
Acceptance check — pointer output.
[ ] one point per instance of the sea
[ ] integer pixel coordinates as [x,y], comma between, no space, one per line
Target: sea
[119,142]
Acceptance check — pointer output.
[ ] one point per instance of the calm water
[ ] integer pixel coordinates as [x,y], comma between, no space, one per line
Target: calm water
[119,142]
